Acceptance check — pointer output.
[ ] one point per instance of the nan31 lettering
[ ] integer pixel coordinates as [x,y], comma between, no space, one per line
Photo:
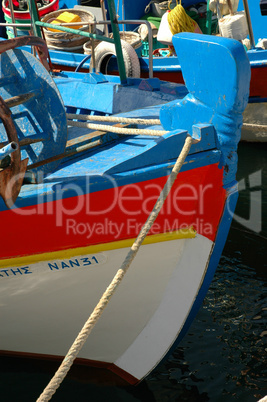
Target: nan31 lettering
[57,265]
[74,262]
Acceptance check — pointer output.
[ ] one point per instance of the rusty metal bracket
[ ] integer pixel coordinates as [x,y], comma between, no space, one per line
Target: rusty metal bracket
[11,177]
[39,43]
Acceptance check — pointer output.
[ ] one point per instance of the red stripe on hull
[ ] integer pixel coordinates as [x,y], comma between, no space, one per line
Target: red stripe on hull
[197,199]
[258,82]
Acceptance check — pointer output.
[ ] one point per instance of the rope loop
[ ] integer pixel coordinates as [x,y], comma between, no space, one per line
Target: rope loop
[117,130]
[113,119]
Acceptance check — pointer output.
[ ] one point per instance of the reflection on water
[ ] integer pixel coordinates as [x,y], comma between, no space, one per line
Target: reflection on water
[223,356]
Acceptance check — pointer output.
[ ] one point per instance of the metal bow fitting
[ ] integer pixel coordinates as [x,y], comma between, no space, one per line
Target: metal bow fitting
[11,177]
[39,43]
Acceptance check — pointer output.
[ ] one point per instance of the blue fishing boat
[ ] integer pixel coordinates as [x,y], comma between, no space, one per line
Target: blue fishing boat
[68,54]
[80,199]
[168,68]
[166,65]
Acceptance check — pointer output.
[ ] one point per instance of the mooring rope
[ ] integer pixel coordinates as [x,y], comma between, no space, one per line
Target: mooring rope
[102,304]
[117,130]
[251,125]
[113,119]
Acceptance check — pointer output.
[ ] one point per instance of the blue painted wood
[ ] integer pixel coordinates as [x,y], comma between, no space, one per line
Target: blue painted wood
[224,105]
[149,151]
[218,108]
[112,98]
[257,57]
[42,116]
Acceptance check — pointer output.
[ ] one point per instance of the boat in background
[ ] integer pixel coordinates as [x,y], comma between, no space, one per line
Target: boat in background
[169,69]
[75,196]
[258,21]
[164,68]
[255,116]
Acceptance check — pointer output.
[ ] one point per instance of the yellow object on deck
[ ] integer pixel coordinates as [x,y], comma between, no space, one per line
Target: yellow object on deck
[179,20]
[64,18]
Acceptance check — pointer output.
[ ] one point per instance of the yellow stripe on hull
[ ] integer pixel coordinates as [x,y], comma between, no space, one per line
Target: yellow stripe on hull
[187,233]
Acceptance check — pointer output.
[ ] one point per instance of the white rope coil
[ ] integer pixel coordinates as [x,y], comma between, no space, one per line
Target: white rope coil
[113,119]
[117,130]
[102,304]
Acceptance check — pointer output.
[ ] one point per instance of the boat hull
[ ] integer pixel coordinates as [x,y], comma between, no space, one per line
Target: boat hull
[70,228]
[134,331]
[161,292]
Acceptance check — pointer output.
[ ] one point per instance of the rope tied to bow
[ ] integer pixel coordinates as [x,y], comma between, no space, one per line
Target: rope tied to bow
[109,292]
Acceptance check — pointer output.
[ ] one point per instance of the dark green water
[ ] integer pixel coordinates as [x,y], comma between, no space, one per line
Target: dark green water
[223,356]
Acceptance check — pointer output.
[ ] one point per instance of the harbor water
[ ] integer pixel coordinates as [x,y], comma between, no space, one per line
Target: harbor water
[223,355]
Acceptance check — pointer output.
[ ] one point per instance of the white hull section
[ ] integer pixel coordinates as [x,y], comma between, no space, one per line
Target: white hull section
[42,311]
[254,127]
